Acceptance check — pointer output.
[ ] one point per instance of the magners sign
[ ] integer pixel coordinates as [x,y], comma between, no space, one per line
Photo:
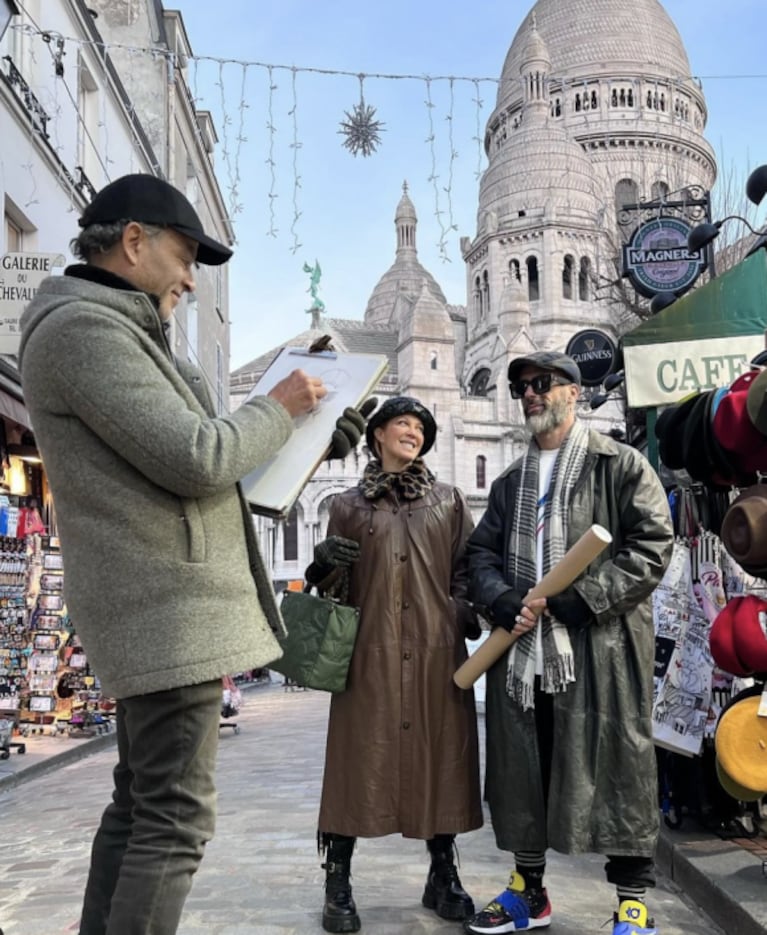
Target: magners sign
[657,258]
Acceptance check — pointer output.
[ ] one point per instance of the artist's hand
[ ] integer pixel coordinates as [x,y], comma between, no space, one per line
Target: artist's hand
[298,392]
[335,550]
[349,429]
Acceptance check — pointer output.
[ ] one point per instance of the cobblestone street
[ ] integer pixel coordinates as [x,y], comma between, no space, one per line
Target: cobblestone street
[261,874]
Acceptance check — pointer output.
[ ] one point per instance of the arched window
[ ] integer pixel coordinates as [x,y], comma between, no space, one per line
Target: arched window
[290,537]
[533,286]
[478,296]
[630,98]
[577,103]
[584,275]
[485,293]
[659,191]
[478,383]
[567,277]
[614,98]
[626,193]
[515,271]
[594,100]
[432,360]
[481,472]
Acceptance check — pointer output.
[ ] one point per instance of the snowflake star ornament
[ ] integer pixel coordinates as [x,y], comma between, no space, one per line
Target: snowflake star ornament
[360,129]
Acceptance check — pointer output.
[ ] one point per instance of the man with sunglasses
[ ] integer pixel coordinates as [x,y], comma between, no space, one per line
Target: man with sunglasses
[570,756]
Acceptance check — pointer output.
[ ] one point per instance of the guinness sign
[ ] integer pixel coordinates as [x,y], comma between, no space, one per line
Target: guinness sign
[657,258]
[594,352]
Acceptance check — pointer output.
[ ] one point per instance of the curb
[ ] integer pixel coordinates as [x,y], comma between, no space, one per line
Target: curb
[720,877]
[57,760]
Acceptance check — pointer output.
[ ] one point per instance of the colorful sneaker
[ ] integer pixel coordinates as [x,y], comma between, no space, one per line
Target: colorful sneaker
[631,919]
[515,910]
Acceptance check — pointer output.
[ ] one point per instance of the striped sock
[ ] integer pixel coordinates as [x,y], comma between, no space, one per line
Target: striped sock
[631,892]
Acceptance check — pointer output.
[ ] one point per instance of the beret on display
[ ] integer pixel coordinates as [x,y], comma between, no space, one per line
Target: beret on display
[735,789]
[741,743]
[722,641]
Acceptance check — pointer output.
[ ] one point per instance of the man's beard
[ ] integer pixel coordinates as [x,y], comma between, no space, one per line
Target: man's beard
[551,417]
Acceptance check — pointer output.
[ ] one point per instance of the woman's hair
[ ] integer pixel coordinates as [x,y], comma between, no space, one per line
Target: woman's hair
[98,239]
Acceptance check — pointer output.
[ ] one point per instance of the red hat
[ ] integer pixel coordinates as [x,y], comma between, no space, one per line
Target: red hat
[735,431]
[722,640]
[749,632]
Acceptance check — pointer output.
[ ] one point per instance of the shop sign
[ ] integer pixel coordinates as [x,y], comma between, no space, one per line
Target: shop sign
[594,352]
[20,277]
[661,374]
[657,258]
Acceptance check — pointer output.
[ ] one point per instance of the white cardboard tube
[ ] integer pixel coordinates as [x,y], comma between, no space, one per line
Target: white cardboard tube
[577,558]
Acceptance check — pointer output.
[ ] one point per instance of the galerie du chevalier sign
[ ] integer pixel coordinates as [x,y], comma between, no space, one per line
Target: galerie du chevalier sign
[20,277]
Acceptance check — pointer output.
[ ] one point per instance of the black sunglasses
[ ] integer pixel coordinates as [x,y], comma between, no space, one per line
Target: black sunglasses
[541,384]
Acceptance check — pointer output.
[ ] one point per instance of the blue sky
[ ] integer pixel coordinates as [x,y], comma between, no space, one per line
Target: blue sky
[320,203]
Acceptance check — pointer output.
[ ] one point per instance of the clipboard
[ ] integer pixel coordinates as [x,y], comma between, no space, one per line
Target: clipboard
[273,487]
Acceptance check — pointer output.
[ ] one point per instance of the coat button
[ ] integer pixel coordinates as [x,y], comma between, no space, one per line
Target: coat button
[407,655]
[395,510]
[405,605]
[403,558]
[406,725]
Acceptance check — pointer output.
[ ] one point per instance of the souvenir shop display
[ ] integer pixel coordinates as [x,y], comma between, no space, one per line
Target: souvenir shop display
[13,643]
[711,607]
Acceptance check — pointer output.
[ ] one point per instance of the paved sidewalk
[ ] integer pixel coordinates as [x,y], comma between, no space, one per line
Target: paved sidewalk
[261,873]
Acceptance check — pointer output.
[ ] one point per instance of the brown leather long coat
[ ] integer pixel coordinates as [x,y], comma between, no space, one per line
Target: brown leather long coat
[402,751]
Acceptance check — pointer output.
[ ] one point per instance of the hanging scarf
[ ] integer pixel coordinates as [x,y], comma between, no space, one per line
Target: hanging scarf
[410,484]
[558,664]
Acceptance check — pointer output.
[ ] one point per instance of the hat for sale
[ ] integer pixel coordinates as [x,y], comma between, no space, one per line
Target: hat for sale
[669,430]
[740,740]
[722,640]
[744,527]
[735,789]
[757,402]
[149,200]
[546,360]
[735,431]
[400,406]
[749,632]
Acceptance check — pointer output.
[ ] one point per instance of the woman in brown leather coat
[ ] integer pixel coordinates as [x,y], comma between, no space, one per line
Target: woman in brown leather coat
[402,752]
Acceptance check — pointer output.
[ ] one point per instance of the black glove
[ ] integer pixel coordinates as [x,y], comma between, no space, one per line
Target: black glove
[570,608]
[468,621]
[505,608]
[335,550]
[349,429]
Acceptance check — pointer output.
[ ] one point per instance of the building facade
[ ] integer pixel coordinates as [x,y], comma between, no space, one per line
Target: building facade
[589,123]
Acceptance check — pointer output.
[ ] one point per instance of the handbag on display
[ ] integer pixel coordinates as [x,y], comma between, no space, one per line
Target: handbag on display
[320,640]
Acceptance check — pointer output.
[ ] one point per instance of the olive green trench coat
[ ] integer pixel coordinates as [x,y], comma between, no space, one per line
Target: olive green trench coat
[603,796]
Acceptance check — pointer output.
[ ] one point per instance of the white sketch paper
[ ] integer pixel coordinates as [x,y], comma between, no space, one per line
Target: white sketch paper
[274,486]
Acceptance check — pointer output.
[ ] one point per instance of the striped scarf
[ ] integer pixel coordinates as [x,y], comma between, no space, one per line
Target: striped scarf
[558,665]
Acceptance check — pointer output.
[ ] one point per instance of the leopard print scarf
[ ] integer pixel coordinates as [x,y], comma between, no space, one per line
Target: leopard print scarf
[410,484]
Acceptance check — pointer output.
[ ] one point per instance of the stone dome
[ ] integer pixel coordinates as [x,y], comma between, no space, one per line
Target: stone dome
[545,167]
[595,37]
[406,277]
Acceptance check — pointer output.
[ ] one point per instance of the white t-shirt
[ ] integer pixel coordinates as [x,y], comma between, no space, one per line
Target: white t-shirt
[547,459]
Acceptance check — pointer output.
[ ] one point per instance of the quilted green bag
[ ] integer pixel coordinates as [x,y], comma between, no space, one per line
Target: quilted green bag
[321,635]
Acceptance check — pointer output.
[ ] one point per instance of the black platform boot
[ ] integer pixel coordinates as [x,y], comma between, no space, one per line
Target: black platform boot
[339,913]
[444,893]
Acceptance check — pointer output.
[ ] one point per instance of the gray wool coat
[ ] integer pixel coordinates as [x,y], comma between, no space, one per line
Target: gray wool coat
[603,796]
[163,579]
